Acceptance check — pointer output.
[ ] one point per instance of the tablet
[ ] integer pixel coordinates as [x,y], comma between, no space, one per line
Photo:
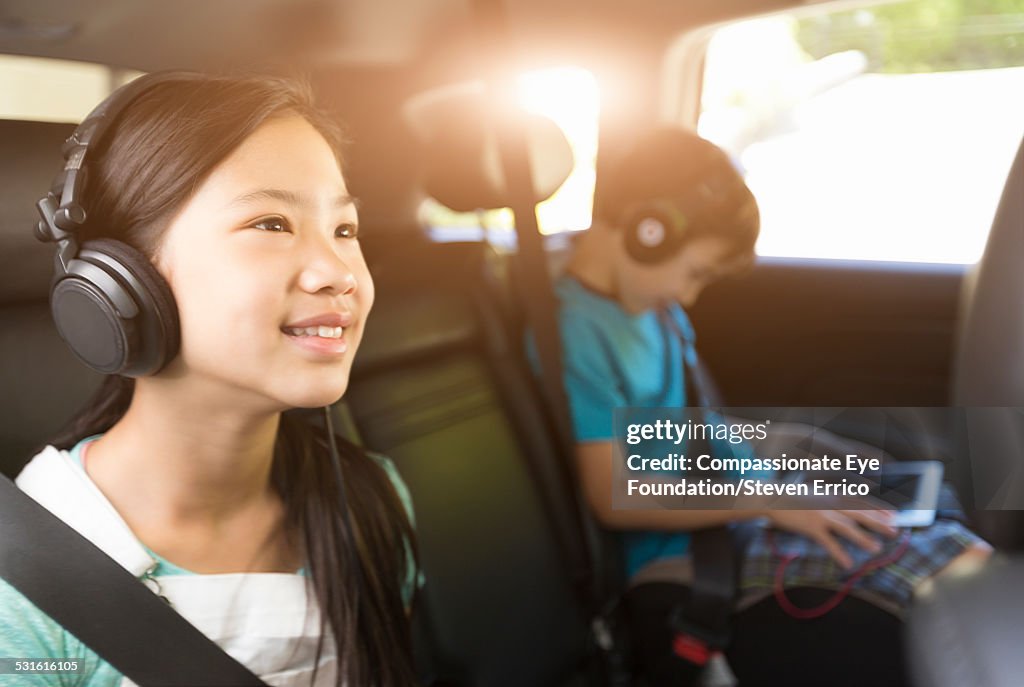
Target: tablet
[911,488]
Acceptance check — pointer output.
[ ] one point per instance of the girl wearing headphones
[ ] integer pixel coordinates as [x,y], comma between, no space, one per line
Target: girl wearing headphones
[210,264]
[676,216]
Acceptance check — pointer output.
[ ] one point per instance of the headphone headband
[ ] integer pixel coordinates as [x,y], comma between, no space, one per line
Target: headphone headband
[61,210]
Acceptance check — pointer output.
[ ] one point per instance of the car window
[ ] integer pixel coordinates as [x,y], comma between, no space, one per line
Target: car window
[45,90]
[880,133]
[569,96]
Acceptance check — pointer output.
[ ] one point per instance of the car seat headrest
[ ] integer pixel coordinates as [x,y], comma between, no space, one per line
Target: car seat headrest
[462,166]
[29,159]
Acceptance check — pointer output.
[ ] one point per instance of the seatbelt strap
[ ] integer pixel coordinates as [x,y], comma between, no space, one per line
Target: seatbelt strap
[75,583]
[538,297]
[537,288]
[704,623]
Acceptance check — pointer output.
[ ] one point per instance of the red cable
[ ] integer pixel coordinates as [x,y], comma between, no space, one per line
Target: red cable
[816,612]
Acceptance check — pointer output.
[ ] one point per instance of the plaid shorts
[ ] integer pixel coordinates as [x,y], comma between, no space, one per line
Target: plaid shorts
[926,550]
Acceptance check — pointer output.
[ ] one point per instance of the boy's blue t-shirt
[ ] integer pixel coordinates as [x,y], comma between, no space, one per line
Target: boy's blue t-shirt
[615,359]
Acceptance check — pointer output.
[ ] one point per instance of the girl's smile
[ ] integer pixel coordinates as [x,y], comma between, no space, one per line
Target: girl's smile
[323,334]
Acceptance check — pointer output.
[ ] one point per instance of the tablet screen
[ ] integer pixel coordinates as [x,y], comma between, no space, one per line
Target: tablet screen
[912,489]
[899,490]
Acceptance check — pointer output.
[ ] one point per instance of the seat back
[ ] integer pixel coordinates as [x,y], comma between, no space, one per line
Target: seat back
[42,383]
[990,374]
[439,387]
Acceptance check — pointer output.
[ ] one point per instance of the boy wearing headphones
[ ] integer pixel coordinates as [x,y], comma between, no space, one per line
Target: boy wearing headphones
[675,215]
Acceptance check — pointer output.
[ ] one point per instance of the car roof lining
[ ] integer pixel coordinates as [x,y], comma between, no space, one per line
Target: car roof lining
[367,58]
[199,34]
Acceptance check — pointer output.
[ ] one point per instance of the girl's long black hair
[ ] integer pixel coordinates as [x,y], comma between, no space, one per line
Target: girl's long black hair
[163,146]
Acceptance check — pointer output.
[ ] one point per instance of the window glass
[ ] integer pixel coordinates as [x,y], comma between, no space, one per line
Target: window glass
[37,89]
[880,133]
[569,96]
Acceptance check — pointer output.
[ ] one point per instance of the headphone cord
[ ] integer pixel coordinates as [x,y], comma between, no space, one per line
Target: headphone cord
[868,566]
[346,515]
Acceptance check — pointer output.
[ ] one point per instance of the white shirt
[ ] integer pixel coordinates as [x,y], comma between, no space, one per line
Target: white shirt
[267,621]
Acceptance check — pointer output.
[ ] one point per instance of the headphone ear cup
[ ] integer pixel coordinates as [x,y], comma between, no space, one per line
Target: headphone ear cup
[116,311]
[90,318]
[654,233]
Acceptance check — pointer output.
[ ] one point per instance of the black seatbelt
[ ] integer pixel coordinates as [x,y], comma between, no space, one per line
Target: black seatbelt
[88,593]
[714,563]
[716,551]
[538,297]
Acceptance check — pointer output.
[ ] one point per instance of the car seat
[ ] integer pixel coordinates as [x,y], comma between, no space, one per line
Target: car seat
[989,375]
[438,389]
[968,629]
[442,387]
[42,382]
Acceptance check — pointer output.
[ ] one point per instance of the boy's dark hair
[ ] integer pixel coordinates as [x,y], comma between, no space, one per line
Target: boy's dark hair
[668,164]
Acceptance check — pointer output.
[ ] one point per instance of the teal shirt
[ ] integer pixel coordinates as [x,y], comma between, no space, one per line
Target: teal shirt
[27,632]
[616,359]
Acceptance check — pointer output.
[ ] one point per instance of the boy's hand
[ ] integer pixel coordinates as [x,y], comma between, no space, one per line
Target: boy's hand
[823,525]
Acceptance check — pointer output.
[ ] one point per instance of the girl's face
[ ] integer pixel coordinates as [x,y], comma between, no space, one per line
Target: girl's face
[679,279]
[269,279]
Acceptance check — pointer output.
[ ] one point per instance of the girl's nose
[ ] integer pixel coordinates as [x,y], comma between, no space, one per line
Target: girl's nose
[326,269]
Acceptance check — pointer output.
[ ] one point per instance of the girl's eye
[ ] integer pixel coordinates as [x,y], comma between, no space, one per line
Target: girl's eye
[272,224]
[347,231]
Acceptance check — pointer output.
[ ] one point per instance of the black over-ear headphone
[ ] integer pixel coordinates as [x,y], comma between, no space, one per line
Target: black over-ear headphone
[111,306]
[656,229]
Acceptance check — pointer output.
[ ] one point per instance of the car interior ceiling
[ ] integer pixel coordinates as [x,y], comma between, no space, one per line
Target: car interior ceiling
[441,384]
[368,57]
[152,35]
